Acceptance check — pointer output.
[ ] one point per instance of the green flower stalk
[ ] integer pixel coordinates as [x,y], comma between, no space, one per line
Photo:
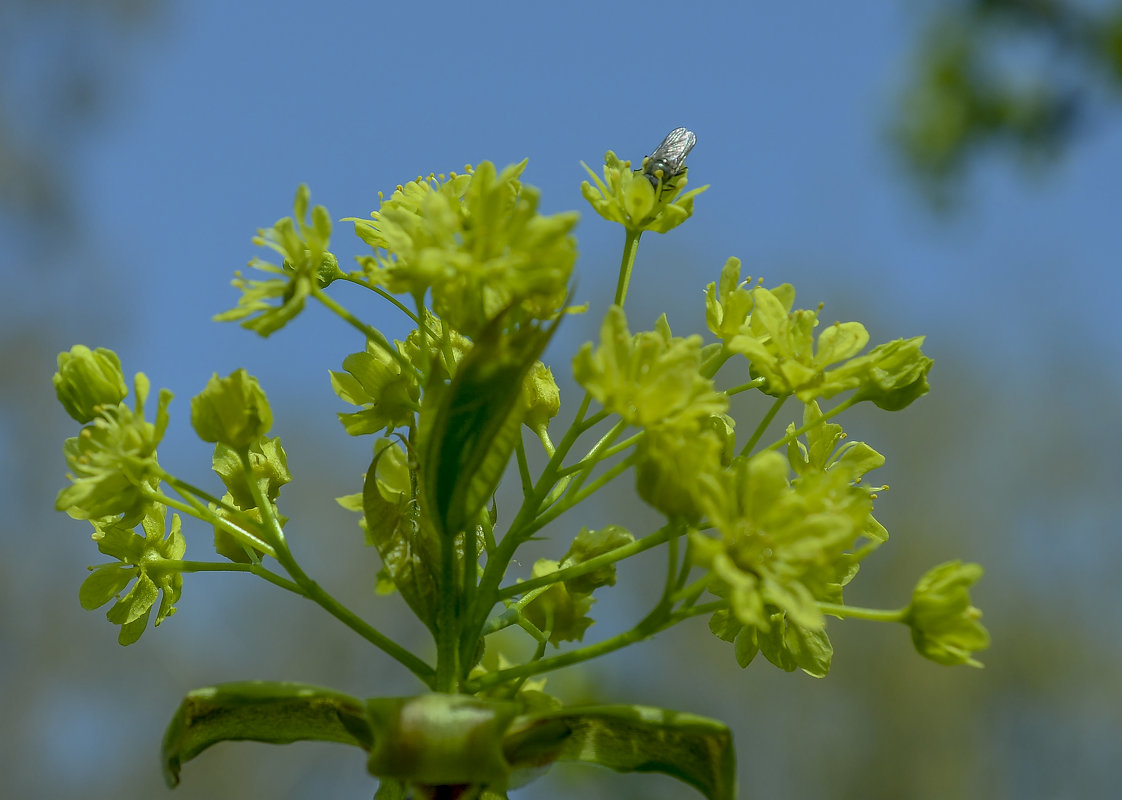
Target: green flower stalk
[761,539]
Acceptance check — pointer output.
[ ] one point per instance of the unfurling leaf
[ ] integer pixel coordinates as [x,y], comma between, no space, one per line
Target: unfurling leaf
[261,711]
[477,423]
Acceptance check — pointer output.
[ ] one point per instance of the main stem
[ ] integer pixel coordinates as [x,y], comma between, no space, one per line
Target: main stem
[486,594]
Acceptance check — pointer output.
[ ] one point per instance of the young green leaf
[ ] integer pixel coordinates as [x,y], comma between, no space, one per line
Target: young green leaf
[693,749]
[261,711]
[476,424]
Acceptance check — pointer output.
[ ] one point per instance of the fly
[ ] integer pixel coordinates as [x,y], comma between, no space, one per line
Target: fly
[669,158]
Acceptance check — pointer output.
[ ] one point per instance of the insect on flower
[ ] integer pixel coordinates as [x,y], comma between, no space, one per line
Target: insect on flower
[669,157]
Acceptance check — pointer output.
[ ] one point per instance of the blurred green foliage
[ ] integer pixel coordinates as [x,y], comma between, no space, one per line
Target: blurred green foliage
[1018,76]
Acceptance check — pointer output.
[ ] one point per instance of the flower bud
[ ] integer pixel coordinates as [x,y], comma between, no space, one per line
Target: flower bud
[945,626]
[88,380]
[231,410]
[541,398]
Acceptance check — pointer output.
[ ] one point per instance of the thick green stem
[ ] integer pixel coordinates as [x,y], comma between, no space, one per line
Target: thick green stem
[447,619]
[499,560]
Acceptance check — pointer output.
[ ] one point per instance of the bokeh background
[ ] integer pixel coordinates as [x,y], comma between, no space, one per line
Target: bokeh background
[948,169]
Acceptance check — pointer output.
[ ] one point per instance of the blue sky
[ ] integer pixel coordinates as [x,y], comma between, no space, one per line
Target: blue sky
[229,106]
[223,108]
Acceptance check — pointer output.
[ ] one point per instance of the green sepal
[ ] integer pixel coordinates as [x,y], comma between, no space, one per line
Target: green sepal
[790,646]
[475,427]
[374,380]
[262,711]
[559,611]
[744,638]
[103,584]
[147,558]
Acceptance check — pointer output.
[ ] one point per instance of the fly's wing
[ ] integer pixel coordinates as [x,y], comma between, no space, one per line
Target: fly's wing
[670,156]
[675,147]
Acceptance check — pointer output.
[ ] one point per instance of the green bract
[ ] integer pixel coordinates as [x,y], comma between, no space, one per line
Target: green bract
[423,745]
[760,538]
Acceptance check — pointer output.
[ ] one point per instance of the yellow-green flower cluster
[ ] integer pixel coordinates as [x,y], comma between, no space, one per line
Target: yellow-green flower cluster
[477,242]
[653,380]
[650,379]
[143,559]
[783,546]
[306,264]
[627,197]
[781,348]
[112,460]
